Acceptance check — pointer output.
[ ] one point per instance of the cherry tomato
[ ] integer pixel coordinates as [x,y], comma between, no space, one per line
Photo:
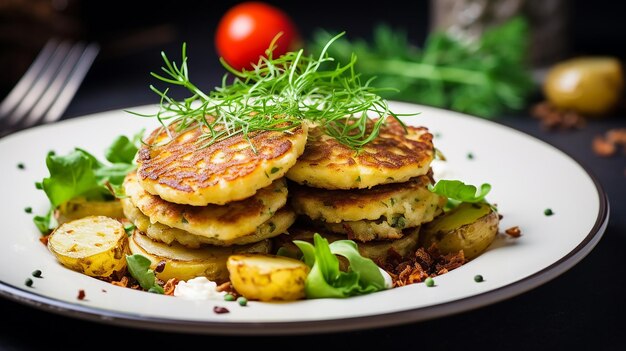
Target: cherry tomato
[246,31]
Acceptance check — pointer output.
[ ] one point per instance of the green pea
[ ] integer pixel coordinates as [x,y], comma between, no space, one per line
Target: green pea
[242,301]
[37,273]
[430,282]
[29,282]
[478,278]
[548,212]
[229,297]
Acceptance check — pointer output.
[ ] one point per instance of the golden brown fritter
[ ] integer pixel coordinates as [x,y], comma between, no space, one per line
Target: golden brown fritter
[186,170]
[394,156]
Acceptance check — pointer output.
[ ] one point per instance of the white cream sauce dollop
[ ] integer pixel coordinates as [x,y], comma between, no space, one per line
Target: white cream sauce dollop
[199,288]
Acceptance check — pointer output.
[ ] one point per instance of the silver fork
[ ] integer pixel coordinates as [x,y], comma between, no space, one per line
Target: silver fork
[46,89]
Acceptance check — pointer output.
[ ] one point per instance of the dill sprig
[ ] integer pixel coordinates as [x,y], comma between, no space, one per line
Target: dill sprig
[277,94]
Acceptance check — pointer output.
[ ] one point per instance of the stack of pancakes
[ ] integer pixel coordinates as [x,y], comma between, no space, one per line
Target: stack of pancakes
[376,196]
[189,196]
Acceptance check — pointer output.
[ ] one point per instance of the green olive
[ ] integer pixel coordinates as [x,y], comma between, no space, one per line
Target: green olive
[589,85]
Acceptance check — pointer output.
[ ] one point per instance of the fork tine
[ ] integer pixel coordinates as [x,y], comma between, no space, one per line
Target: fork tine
[42,82]
[27,80]
[75,79]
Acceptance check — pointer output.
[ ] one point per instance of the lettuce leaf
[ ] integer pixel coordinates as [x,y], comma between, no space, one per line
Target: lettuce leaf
[326,279]
[456,191]
[139,268]
[79,173]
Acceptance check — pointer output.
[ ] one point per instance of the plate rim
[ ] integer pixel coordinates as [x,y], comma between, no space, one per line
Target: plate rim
[336,325]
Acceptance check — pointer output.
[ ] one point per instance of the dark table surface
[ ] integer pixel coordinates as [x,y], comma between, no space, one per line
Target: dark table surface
[583,308]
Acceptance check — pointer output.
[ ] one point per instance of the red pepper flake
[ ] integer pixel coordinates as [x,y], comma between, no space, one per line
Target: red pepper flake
[81,294]
[220,310]
[514,232]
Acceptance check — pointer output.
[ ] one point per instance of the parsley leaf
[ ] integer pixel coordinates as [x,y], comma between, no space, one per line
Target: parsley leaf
[139,268]
[326,279]
[485,77]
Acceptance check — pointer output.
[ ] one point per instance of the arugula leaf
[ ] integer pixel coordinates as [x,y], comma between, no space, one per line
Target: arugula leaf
[80,173]
[456,191]
[326,279]
[139,268]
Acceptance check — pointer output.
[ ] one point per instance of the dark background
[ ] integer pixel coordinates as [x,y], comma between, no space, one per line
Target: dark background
[583,308]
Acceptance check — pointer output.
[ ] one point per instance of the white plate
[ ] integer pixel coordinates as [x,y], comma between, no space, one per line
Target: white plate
[527,176]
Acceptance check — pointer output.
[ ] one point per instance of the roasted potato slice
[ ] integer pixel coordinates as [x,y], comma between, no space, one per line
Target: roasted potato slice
[94,245]
[184,263]
[79,208]
[267,277]
[468,227]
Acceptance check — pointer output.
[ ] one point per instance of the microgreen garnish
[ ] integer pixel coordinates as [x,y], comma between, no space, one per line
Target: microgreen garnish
[278,94]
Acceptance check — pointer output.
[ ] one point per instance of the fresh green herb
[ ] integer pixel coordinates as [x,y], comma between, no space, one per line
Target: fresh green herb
[398,222]
[36,273]
[129,229]
[478,278]
[28,209]
[229,297]
[139,268]
[456,191]
[548,212]
[28,282]
[242,301]
[79,173]
[470,156]
[430,282]
[274,170]
[21,166]
[38,186]
[326,280]
[278,94]
[485,77]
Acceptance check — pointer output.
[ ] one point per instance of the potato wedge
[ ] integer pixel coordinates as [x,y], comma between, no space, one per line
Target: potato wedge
[184,263]
[94,245]
[468,227]
[267,277]
[79,208]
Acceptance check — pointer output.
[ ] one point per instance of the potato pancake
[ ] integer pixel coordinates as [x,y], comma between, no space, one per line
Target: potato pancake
[187,169]
[394,156]
[225,223]
[276,225]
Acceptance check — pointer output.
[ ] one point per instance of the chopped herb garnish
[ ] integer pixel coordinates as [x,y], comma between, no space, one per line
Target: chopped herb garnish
[470,156]
[478,278]
[28,282]
[274,170]
[21,166]
[430,282]
[548,212]
[358,179]
[129,228]
[36,273]
[398,222]
[38,185]
[28,209]
[184,220]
